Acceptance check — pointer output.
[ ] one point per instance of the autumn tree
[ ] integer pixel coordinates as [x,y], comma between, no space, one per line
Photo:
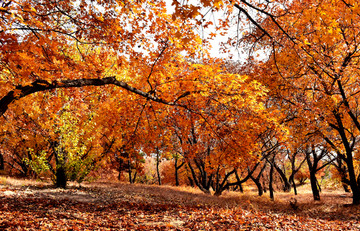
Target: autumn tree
[76,44]
[218,133]
[311,62]
[60,139]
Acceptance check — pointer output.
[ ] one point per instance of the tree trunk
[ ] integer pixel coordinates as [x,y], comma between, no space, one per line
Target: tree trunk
[2,166]
[200,183]
[240,187]
[294,185]
[312,170]
[134,177]
[314,186]
[353,183]
[318,185]
[258,185]
[287,185]
[60,174]
[157,166]
[176,173]
[257,180]
[220,187]
[61,179]
[348,158]
[271,189]
[177,167]
[129,172]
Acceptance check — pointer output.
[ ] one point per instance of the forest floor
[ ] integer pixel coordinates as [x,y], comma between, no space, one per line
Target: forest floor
[34,205]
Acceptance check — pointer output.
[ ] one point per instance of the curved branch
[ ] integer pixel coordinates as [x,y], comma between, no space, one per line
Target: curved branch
[43,85]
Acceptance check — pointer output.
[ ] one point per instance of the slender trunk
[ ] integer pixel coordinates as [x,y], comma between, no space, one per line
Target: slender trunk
[294,185]
[239,182]
[134,177]
[220,187]
[257,180]
[312,170]
[2,166]
[157,167]
[176,173]
[318,185]
[258,185]
[200,184]
[129,172]
[120,169]
[314,186]
[240,187]
[351,170]
[287,185]
[271,189]
[177,167]
[349,159]
[121,165]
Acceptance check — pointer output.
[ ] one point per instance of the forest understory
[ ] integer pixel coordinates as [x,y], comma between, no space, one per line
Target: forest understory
[34,205]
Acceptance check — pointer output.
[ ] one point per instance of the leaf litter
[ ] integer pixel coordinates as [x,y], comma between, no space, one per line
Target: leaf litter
[120,206]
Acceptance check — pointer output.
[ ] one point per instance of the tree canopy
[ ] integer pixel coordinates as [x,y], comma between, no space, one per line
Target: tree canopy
[84,83]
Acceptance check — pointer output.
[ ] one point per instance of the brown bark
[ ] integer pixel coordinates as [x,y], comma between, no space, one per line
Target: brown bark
[43,85]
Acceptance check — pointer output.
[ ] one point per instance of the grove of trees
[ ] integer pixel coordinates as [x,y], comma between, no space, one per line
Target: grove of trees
[90,85]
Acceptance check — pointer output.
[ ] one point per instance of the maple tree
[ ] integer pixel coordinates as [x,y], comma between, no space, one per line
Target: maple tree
[311,67]
[76,44]
[221,136]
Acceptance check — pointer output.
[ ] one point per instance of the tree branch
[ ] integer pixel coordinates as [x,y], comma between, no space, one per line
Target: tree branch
[43,85]
[252,20]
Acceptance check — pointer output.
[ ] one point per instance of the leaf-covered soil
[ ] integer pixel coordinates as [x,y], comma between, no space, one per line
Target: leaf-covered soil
[29,205]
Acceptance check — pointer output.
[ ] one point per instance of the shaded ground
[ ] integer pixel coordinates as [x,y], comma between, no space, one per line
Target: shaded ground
[28,205]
